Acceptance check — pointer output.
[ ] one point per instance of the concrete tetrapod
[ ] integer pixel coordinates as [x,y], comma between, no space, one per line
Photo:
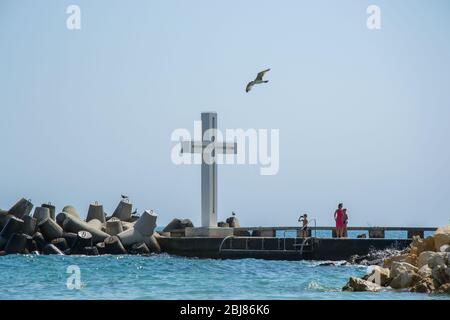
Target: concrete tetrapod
[90,251]
[123,210]
[142,230]
[96,212]
[4,217]
[16,243]
[84,239]
[29,226]
[21,208]
[51,208]
[114,246]
[139,248]
[52,249]
[41,213]
[96,224]
[114,226]
[71,211]
[71,238]
[61,244]
[40,241]
[50,229]
[72,224]
[14,225]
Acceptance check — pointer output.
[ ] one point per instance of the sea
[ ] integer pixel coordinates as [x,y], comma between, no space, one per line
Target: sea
[170,277]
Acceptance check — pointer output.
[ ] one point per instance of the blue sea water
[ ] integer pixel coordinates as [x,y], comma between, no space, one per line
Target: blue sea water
[169,277]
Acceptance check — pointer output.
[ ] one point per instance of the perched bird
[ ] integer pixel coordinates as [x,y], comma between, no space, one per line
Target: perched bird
[124,196]
[258,80]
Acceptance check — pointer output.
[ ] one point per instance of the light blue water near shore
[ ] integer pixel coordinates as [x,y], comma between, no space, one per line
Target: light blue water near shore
[169,277]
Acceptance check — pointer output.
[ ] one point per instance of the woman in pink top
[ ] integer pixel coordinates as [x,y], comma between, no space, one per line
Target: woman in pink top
[339,217]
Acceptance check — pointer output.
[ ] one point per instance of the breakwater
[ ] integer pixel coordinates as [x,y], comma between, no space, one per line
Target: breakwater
[66,233]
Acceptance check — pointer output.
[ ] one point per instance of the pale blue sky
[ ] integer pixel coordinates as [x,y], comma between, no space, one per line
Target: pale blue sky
[363,115]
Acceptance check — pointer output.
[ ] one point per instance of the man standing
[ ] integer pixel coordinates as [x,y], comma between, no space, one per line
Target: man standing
[304,229]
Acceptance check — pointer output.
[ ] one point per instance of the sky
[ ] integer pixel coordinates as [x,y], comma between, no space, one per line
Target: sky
[363,115]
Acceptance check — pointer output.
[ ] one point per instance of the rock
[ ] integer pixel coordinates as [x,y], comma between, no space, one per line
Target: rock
[425,285]
[437,259]
[398,258]
[400,267]
[424,271]
[440,274]
[359,285]
[441,237]
[445,248]
[379,275]
[405,279]
[423,258]
[422,244]
[445,288]
[177,224]
[233,222]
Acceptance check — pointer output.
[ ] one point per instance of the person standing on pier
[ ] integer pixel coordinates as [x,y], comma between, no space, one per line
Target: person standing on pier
[345,218]
[339,218]
[304,229]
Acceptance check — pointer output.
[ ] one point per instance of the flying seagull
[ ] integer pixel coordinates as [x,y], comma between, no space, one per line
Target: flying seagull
[232,213]
[124,196]
[258,80]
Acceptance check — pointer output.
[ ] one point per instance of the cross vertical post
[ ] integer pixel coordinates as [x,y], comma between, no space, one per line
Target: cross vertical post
[209,172]
[209,148]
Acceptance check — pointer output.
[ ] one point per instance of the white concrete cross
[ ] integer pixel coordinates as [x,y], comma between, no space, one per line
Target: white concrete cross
[209,148]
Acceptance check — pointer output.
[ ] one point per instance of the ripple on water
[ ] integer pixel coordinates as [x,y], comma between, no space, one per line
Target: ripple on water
[168,277]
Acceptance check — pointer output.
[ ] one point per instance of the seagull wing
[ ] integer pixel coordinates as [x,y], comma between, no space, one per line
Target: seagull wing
[261,74]
[249,86]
